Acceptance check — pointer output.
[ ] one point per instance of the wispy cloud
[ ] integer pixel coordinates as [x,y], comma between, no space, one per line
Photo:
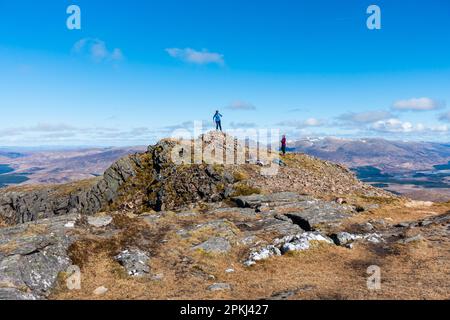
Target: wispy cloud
[63,134]
[196,57]
[363,118]
[295,110]
[444,117]
[418,104]
[241,105]
[301,124]
[242,125]
[97,50]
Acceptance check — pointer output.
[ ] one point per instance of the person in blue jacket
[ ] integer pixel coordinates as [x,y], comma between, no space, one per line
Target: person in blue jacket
[218,119]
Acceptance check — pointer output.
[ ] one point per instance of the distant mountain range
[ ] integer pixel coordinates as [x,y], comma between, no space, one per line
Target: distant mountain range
[389,156]
[10,155]
[60,166]
[416,169]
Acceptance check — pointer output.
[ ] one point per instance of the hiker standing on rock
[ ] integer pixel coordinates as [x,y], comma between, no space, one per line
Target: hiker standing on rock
[283,145]
[217,118]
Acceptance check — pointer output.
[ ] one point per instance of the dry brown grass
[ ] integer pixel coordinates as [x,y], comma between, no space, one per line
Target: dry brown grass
[326,272]
[396,213]
[58,189]
[3,223]
[419,270]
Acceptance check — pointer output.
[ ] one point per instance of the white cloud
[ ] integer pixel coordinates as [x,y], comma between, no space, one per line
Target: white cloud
[97,50]
[397,126]
[196,57]
[418,104]
[62,134]
[241,105]
[441,128]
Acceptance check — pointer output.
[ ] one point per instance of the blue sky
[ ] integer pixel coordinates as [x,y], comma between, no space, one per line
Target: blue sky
[138,69]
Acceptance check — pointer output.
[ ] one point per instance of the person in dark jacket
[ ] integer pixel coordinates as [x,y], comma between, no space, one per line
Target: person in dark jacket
[283,145]
[218,120]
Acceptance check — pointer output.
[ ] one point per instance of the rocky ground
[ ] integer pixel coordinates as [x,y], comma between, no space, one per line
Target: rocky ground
[177,231]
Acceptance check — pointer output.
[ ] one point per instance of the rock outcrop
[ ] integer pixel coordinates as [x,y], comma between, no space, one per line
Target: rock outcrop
[19,205]
[32,255]
[154,181]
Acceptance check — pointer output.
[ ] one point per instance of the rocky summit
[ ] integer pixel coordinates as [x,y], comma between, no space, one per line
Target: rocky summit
[159,226]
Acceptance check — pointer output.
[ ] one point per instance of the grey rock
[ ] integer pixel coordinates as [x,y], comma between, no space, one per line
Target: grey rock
[135,262]
[303,241]
[100,291]
[99,222]
[285,295]
[368,227]
[270,225]
[21,207]
[258,200]
[347,239]
[214,245]
[15,294]
[402,225]
[31,261]
[318,212]
[344,238]
[222,228]
[219,287]
[262,254]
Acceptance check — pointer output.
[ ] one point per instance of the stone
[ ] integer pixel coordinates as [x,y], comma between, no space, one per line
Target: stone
[319,212]
[13,294]
[100,291]
[70,224]
[219,287]
[402,225]
[30,261]
[344,238]
[302,242]
[347,239]
[99,222]
[135,262]
[262,254]
[214,245]
[157,277]
[252,201]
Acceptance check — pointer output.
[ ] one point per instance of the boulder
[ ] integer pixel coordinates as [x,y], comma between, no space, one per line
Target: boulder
[317,212]
[99,222]
[30,261]
[214,245]
[135,262]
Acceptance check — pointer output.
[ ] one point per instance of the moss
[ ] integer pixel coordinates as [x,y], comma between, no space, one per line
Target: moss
[242,189]
[240,176]
[219,168]
[379,200]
